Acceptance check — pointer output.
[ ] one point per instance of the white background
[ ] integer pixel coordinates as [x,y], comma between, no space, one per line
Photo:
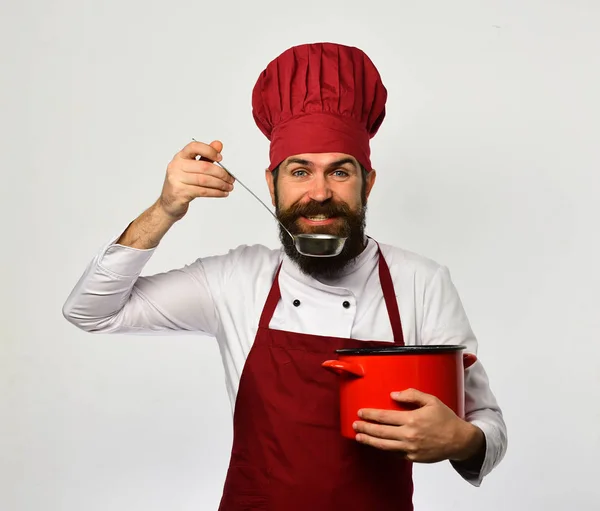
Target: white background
[487,162]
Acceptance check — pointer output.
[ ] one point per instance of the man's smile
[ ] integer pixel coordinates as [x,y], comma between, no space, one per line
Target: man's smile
[318,219]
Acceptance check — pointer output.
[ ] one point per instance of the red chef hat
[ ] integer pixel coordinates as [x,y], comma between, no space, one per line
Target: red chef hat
[319,98]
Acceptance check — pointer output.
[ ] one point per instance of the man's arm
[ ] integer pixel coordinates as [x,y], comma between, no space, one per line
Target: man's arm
[471,455]
[147,230]
[432,432]
[446,322]
[187,178]
[111,296]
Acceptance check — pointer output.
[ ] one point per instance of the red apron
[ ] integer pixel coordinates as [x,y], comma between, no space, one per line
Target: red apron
[288,453]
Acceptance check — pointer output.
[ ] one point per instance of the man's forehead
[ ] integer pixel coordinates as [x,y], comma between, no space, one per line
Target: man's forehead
[319,159]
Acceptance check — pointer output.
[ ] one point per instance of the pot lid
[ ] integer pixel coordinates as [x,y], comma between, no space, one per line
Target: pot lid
[402,350]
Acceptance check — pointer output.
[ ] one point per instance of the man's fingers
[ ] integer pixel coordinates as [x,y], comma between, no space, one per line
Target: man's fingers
[217,145]
[389,417]
[411,399]
[194,191]
[414,397]
[379,443]
[203,167]
[211,152]
[206,181]
[378,430]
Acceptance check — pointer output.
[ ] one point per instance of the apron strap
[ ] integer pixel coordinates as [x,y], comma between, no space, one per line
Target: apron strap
[272,301]
[389,295]
[387,286]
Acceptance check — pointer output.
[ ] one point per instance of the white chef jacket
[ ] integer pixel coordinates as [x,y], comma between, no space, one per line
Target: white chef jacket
[223,296]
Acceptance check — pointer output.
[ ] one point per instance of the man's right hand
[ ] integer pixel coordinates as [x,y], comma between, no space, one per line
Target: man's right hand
[188,177]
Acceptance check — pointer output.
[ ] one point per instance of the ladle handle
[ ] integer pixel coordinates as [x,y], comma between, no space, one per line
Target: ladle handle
[255,196]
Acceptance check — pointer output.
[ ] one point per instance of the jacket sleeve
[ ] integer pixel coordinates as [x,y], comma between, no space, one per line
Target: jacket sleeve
[111,296]
[445,322]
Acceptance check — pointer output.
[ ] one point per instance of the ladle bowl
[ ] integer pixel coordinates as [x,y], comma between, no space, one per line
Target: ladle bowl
[318,245]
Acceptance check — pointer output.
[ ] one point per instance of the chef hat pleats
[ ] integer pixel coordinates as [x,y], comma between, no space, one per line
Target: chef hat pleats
[318,98]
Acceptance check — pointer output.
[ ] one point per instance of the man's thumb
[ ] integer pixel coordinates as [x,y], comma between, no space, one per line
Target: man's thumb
[412,396]
[217,145]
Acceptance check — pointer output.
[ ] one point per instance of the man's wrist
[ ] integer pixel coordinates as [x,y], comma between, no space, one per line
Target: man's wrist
[471,445]
[146,231]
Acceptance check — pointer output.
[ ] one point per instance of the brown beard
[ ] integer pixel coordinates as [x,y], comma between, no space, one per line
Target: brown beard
[348,224]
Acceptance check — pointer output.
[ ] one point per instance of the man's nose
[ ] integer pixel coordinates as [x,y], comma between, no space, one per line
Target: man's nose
[319,190]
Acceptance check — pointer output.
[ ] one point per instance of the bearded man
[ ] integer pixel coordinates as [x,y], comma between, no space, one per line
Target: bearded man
[278,314]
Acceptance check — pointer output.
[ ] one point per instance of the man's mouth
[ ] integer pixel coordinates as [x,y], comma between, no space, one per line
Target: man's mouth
[319,219]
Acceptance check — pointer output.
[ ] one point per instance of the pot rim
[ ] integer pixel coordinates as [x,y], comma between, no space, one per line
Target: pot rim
[403,350]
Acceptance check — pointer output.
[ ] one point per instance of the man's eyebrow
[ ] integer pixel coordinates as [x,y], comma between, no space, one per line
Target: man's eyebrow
[299,161]
[306,163]
[341,162]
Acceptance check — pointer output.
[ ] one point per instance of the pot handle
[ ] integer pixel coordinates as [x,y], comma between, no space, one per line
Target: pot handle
[469,359]
[341,367]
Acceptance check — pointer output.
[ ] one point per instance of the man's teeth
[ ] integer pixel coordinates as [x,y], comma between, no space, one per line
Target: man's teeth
[317,218]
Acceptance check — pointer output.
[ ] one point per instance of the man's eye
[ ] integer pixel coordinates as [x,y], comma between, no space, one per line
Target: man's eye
[299,173]
[340,173]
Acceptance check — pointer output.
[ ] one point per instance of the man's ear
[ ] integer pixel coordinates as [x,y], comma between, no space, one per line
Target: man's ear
[271,185]
[371,176]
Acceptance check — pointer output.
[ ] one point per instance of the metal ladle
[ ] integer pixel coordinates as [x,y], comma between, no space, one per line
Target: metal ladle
[311,245]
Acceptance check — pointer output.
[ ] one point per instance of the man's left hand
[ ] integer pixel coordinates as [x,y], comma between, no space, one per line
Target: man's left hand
[430,433]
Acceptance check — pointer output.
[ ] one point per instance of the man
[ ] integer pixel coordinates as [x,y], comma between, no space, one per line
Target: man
[277,314]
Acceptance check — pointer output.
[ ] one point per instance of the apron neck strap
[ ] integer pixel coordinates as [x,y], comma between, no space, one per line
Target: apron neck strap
[389,295]
[271,303]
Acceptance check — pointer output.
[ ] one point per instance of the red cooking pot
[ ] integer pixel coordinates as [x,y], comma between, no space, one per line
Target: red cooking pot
[370,375]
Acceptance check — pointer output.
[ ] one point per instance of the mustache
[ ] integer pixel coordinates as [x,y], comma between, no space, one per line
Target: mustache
[316,208]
